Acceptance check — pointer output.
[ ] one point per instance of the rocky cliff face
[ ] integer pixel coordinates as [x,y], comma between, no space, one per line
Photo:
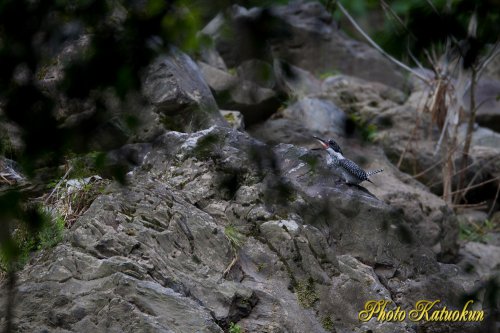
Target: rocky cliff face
[216,227]
[156,255]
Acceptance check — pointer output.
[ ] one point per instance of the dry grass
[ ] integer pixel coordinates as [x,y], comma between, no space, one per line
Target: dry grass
[71,198]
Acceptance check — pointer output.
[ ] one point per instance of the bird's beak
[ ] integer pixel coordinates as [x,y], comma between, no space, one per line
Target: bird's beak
[322,142]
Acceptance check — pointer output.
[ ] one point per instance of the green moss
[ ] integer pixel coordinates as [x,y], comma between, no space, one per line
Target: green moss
[229,118]
[206,146]
[306,293]
[368,131]
[327,323]
[327,74]
[234,328]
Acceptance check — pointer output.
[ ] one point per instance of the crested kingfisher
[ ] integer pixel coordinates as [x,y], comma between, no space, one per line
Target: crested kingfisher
[350,171]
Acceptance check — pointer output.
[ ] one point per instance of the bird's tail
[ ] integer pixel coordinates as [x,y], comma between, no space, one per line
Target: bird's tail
[369,173]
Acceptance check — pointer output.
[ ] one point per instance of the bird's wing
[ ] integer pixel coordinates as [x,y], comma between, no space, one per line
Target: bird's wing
[353,168]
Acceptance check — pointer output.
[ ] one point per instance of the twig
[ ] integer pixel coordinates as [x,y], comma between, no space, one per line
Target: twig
[435,164]
[470,128]
[433,7]
[476,185]
[6,180]
[476,205]
[468,167]
[412,56]
[417,124]
[490,212]
[401,158]
[377,47]
[391,13]
[477,174]
[59,183]
[495,51]
[230,266]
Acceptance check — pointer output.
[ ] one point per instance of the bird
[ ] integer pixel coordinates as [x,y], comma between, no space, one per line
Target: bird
[351,172]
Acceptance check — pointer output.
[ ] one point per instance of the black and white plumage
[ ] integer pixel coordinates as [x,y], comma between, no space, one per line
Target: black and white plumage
[349,170]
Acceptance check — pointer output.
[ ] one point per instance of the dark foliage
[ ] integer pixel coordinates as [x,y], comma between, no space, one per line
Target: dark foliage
[111,42]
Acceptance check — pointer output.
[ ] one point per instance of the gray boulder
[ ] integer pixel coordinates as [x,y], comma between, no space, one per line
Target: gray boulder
[487,99]
[295,81]
[299,121]
[301,33]
[316,44]
[257,71]
[175,87]
[255,102]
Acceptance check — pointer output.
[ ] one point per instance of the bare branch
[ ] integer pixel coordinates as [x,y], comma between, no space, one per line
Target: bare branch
[490,212]
[59,184]
[432,6]
[391,13]
[479,205]
[377,47]
[468,188]
[494,52]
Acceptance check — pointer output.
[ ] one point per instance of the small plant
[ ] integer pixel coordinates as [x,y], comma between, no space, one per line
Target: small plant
[234,328]
[327,74]
[261,266]
[72,197]
[52,233]
[49,234]
[474,232]
[87,165]
[234,237]
[306,293]
[236,240]
[367,130]
[327,323]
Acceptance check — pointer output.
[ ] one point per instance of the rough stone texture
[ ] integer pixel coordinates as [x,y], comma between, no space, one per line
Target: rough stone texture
[150,257]
[484,259]
[257,71]
[234,92]
[493,68]
[488,112]
[174,85]
[219,81]
[295,81]
[317,45]
[209,55]
[298,122]
[403,127]
[307,37]
[433,222]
